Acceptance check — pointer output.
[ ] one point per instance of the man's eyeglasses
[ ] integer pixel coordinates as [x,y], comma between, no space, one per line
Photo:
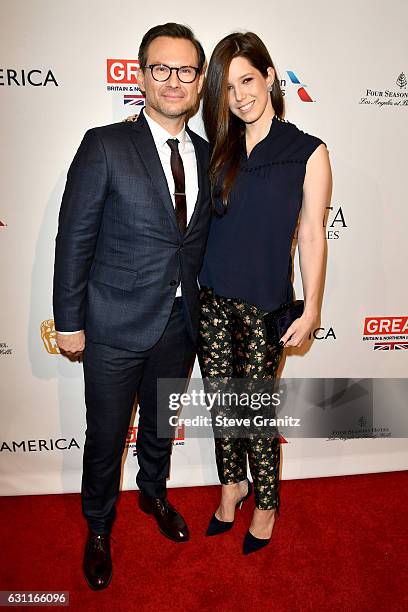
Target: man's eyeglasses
[185,74]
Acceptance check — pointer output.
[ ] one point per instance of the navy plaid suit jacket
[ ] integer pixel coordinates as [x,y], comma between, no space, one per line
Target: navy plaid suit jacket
[119,253]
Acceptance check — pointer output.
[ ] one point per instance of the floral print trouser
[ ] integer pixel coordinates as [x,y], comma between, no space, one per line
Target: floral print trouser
[233,344]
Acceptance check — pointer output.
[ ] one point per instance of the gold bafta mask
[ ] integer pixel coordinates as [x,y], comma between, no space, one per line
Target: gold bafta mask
[49,336]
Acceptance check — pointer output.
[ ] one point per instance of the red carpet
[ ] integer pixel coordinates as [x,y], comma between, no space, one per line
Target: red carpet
[340,544]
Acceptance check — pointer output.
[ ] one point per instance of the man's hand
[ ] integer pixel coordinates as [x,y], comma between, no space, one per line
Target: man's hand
[71,344]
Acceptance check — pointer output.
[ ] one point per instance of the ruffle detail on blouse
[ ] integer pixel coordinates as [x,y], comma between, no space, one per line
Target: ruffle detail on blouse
[272,163]
[262,170]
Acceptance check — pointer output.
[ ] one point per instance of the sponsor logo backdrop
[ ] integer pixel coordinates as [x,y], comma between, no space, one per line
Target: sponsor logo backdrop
[69,66]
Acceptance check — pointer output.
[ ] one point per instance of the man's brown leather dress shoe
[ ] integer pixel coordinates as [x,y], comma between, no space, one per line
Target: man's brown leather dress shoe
[170,522]
[97,561]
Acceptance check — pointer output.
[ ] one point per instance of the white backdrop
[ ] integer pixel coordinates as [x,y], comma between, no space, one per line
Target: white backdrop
[350,59]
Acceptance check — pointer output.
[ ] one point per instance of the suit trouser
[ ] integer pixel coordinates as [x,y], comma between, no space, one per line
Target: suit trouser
[233,345]
[113,377]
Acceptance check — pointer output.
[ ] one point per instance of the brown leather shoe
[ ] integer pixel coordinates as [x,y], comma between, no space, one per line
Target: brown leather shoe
[170,522]
[97,561]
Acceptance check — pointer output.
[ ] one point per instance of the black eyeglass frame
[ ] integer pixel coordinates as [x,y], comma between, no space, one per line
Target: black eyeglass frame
[152,66]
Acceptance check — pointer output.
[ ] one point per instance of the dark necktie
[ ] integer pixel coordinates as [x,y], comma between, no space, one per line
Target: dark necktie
[177,169]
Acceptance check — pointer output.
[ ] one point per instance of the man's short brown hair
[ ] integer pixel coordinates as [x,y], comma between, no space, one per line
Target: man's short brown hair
[173,30]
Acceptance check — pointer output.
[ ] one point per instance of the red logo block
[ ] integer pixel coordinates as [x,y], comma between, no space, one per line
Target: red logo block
[380,326]
[303,95]
[132,434]
[122,71]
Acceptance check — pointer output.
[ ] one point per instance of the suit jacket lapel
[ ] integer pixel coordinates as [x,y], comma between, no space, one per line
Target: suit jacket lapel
[144,143]
[201,175]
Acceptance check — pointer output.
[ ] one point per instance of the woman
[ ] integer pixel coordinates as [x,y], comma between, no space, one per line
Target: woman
[264,171]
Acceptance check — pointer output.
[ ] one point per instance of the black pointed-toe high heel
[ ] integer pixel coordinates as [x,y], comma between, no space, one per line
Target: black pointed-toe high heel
[217,527]
[252,544]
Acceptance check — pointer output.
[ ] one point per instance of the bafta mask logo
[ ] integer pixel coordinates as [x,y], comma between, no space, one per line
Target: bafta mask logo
[49,336]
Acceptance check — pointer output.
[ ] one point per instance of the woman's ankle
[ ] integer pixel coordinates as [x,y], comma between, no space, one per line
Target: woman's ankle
[263,517]
[229,490]
[263,522]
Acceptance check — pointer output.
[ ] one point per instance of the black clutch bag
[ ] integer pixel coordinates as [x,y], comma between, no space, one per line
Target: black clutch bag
[278,321]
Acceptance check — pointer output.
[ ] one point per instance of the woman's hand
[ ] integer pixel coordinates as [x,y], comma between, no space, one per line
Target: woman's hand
[132,118]
[300,329]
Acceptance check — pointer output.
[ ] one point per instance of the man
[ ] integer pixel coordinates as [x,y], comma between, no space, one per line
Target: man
[132,230]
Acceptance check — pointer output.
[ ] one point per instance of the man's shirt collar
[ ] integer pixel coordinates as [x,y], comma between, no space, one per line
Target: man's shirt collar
[161,136]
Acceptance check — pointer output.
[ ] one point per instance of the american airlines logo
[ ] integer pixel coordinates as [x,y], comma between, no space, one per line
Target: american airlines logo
[300,87]
[294,80]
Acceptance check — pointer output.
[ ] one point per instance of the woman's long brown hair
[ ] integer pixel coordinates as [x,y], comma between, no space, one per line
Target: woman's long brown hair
[224,130]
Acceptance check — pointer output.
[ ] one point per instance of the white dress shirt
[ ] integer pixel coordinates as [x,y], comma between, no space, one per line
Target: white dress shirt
[187,153]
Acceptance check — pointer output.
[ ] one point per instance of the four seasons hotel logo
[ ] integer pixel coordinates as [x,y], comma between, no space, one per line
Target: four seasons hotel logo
[388,97]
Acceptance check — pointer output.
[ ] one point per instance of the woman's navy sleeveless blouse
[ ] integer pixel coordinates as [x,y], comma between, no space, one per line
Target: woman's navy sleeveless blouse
[248,253]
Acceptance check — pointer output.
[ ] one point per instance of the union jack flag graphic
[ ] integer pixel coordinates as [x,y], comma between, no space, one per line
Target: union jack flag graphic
[390,346]
[133,100]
